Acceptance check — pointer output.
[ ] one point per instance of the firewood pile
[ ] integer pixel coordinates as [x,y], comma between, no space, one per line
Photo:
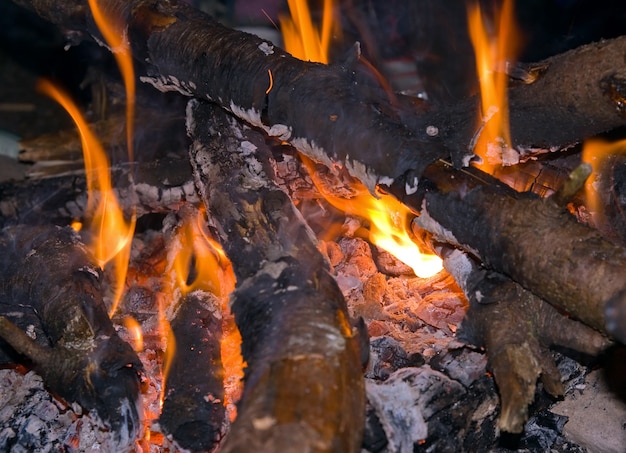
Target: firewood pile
[342,347]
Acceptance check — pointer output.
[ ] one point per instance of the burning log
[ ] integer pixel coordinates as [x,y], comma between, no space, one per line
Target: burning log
[304,386]
[158,186]
[194,411]
[51,289]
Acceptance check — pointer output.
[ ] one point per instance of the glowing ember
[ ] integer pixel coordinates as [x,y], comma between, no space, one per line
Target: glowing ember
[302,39]
[111,232]
[493,50]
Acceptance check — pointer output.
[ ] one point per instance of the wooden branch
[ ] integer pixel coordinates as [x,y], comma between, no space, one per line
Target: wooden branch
[51,285]
[304,387]
[516,328]
[563,100]
[187,51]
[534,241]
[158,186]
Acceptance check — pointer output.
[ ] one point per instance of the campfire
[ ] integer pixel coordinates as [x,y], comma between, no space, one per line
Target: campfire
[303,250]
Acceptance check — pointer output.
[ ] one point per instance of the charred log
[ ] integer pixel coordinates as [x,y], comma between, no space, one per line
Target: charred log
[552,103]
[189,52]
[355,123]
[51,288]
[304,386]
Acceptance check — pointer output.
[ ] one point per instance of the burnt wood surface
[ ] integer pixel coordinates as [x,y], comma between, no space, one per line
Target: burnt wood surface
[51,287]
[338,114]
[303,388]
[193,409]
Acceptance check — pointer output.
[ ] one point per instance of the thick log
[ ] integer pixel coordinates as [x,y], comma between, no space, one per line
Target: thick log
[50,287]
[187,51]
[350,120]
[561,101]
[303,388]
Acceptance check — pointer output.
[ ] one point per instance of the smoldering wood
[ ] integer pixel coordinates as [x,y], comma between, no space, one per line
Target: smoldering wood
[517,329]
[51,288]
[303,387]
[185,50]
[193,410]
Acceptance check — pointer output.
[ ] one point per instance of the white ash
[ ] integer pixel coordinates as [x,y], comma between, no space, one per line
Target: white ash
[31,419]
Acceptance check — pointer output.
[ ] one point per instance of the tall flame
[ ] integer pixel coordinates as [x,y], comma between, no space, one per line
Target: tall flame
[492,50]
[111,232]
[301,38]
[116,37]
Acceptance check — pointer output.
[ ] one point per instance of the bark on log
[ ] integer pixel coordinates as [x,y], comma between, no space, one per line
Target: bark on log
[349,120]
[50,285]
[187,51]
[534,241]
[304,387]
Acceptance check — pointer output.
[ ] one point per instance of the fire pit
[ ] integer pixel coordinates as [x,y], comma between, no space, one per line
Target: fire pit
[235,272]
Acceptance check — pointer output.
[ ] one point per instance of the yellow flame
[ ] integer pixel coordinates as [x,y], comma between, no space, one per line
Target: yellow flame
[116,37]
[492,51]
[389,223]
[300,36]
[111,233]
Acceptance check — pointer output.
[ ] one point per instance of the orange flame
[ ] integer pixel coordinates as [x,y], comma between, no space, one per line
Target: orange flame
[389,223]
[116,37]
[198,258]
[492,51]
[200,263]
[301,38]
[595,152]
[112,234]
